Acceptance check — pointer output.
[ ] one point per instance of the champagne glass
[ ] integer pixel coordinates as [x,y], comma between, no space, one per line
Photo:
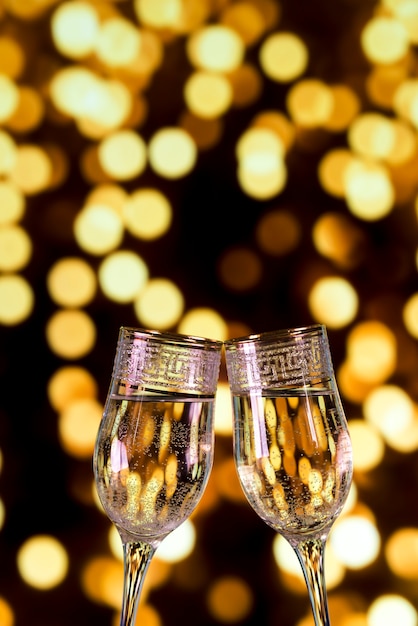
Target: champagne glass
[292,448]
[155,444]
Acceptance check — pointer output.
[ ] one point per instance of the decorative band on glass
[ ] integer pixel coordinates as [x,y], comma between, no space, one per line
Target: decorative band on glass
[298,357]
[159,361]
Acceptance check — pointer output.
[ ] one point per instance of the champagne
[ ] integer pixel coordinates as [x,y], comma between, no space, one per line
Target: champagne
[153,457]
[293,456]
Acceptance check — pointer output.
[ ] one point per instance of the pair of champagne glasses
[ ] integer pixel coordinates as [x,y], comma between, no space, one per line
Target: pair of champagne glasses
[155,445]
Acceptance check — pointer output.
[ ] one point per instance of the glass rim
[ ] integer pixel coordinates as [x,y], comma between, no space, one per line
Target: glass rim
[281,333]
[171,337]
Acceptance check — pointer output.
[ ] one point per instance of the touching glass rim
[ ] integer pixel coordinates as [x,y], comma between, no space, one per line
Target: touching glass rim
[171,337]
[280,333]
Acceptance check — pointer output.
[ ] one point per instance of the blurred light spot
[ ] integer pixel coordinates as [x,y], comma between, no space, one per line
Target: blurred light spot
[285,556]
[162,14]
[147,213]
[223,410]
[346,105]
[390,409]
[410,315]
[240,269]
[405,440]
[230,599]
[356,541]
[29,112]
[332,170]
[404,145]
[71,282]
[149,58]
[278,232]
[215,47]
[8,153]
[406,12]
[354,618]
[79,93]
[382,83]
[122,275]
[118,42]
[259,141]
[160,304]
[78,424]
[339,239]
[369,190]
[32,170]
[12,203]
[108,194]
[375,136]
[288,563]
[352,387]
[206,133]
[368,445]
[246,18]
[225,477]
[74,28]
[384,40]
[123,155]
[42,562]
[372,351]
[401,552]
[246,83]
[371,135]
[9,97]
[278,123]
[209,502]
[172,152]
[310,103]
[27,10]
[7,616]
[179,544]
[71,334]
[15,248]
[91,167]
[334,301]
[16,299]
[283,57]
[207,95]
[113,106]
[68,384]
[102,581]
[2,520]
[262,174]
[391,608]
[204,322]
[98,229]
[12,58]
[59,164]
[405,100]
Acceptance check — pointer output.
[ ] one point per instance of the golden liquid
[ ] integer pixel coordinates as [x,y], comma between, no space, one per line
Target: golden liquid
[152,461]
[293,455]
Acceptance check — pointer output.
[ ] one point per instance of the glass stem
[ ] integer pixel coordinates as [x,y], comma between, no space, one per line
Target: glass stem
[136,557]
[311,557]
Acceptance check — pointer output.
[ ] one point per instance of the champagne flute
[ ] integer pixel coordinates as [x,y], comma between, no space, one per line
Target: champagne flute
[155,444]
[291,442]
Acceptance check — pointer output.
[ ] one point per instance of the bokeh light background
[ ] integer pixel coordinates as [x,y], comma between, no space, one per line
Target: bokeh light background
[213,167]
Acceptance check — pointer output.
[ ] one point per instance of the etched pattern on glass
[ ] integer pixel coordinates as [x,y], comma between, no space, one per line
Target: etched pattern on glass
[175,367]
[257,367]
